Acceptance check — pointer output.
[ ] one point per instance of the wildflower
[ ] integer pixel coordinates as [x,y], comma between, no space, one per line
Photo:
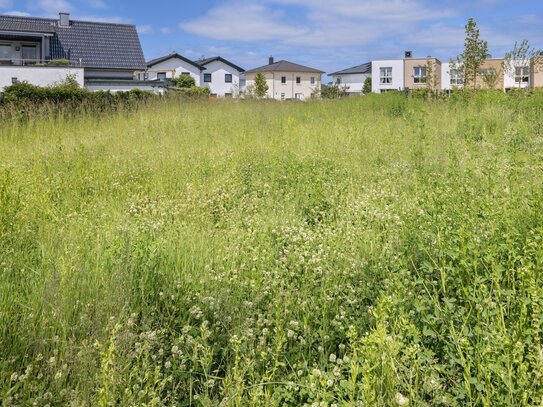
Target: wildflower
[332,358]
[401,399]
[168,364]
[329,382]
[58,376]
[175,349]
[14,377]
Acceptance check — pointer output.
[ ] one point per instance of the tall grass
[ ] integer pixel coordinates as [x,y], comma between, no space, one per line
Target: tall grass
[374,251]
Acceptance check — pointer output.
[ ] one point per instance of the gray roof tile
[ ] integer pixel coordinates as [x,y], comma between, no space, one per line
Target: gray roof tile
[284,66]
[98,45]
[364,68]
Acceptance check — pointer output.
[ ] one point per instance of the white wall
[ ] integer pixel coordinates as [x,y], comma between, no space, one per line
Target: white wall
[446,76]
[218,86]
[355,82]
[113,86]
[177,65]
[39,76]
[397,75]
[509,74]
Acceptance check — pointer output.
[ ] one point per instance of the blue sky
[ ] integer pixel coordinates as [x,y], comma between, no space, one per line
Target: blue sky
[325,34]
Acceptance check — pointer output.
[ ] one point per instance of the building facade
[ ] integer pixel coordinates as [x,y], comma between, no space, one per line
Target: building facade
[44,51]
[353,79]
[171,66]
[286,80]
[222,77]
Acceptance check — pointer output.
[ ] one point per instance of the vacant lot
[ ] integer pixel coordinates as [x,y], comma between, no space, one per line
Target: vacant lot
[376,251]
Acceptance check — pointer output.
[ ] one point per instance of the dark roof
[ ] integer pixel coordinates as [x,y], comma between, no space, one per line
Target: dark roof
[205,61]
[98,45]
[364,68]
[284,66]
[173,55]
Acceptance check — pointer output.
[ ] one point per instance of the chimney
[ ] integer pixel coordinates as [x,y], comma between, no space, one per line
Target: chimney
[271,60]
[408,54]
[63,19]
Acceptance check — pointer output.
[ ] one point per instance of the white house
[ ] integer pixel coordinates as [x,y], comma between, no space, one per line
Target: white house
[353,78]
[46,51]
[221,76]
[286,80]
[387,75]
[170,66]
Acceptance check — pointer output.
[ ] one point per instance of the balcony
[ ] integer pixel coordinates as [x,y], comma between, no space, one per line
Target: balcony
[36,62]
[39,73]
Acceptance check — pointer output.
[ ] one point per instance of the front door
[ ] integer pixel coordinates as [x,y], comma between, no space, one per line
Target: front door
[30,54]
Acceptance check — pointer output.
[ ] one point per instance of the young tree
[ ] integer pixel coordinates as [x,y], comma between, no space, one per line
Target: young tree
[475,53]
[261,87]
[367,85]
[334,91]
[522,57]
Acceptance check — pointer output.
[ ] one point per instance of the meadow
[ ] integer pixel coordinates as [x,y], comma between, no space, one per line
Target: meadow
[374,251]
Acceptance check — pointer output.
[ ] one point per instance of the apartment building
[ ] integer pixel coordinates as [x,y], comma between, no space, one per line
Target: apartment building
[430,73]
[286,80]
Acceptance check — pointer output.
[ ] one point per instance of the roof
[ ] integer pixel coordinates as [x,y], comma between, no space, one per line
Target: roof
[98,45]
[284,66]
[173,55]
[205,61]
[364,68]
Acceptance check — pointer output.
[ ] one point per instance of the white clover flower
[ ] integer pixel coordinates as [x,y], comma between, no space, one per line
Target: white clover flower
[332,358]
[329,382]
[401,399]
[175,349]
[58,376]
[168,364]
[14,377]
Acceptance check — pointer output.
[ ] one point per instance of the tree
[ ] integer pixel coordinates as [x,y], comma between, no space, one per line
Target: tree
[261,87]
[367,85]
[491,77]
[475,53]
[522,57]
[184,82]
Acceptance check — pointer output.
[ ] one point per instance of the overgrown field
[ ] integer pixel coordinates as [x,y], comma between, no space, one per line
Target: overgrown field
[374,251]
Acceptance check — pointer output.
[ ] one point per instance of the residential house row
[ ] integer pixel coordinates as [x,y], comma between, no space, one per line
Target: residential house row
[107,56]
[431,73]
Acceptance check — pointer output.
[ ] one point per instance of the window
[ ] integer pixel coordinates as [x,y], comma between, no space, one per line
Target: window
[5,52]
[338,81]
[299,96]
[14,81]
[143,76]
[185,73]
[30,54]
[282,96]
[161,75]
[298,80]
[207,77]
[283,79]
[419,74]
[522,74]
[312,80]
[385,75]
[456,78]
[227,95]
[228,78]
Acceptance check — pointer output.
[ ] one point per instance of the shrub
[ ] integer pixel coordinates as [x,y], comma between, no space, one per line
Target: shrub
[334,91]
[183,81]
[367,85]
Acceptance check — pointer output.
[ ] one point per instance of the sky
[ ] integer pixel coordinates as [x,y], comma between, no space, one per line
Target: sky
[326,34]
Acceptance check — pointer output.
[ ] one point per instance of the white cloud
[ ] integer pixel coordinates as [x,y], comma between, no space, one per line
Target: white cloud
[145,29]
[17,13]
[6,3]
[244,22]
[165,30]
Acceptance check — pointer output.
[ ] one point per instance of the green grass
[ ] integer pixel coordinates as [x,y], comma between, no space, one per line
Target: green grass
[373,251]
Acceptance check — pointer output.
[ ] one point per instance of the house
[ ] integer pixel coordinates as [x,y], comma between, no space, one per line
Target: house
[170,66]
[44,51]
[353,78]
[407,73]
[286,80]
[221,76]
